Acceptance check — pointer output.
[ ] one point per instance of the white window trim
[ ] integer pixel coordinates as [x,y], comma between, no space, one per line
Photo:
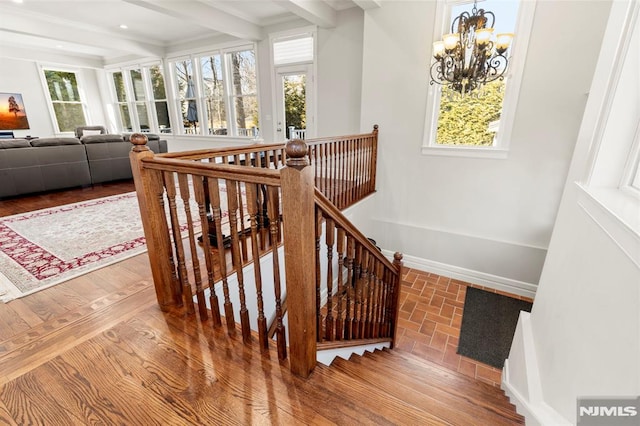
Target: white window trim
[500,149]
[614,209]
[195,56]
[131,102]
[632,168]
[81,92]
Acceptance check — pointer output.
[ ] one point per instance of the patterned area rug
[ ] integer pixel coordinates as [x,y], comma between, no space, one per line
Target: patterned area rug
[46,247]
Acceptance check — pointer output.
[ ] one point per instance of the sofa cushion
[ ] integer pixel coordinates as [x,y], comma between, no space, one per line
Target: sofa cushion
[101,139]
[150,136]
[54,141]
[90,130]
[14,143]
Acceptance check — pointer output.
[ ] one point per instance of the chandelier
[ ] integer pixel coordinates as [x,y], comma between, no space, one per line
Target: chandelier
[469,57]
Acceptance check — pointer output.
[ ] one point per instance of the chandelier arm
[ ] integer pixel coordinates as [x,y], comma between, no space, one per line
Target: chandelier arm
[493,18]
[496,68]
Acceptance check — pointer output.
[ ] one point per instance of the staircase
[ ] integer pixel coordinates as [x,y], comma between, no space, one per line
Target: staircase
[104,353]
[409,390]
[289,240]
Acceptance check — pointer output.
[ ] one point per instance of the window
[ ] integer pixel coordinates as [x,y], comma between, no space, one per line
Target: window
[64,97]
[217,93]
[214,93]
[141,99]
[243,98]
[293,56]
[631,176]
[293,50]
[610,188]
[478,124]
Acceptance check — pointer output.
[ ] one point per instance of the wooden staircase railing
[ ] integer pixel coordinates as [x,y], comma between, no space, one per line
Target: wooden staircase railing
[361,299]
[272,215]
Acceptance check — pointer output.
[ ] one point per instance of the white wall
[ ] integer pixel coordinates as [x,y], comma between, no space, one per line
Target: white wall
[339,74]
[480,219]
[23,76]
[585,323]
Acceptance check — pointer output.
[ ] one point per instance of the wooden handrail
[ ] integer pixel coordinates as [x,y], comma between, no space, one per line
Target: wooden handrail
[220,171]
[200,154]
[342,221]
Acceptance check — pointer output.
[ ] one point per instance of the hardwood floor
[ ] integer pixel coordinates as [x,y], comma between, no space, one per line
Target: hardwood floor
[97,350]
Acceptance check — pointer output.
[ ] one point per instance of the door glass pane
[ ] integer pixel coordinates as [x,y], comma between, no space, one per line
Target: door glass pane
[138,85]
[295,103]
[118,83]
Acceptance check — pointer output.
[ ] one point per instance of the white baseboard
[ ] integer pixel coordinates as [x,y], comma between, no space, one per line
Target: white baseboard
[527,396]
[509,285]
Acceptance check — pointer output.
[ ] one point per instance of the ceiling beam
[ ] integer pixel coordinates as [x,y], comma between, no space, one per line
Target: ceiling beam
[368,4]
[314,11]
[205,16]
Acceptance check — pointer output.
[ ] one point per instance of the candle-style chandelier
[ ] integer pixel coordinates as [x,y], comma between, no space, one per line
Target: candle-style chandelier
[469,57]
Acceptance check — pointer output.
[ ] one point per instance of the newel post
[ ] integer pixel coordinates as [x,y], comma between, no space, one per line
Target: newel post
[147,186]
[397,262]
[298,206]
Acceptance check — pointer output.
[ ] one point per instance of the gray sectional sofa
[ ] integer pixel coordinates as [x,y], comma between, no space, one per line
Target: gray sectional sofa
[47,164]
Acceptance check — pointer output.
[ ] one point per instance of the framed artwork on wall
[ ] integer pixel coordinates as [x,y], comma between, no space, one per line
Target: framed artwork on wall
[12,113]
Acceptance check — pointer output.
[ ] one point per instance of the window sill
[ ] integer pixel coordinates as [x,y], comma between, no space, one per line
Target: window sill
[617,214]
[465,151]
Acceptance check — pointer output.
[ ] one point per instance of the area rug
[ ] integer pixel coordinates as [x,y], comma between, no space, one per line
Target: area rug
[43,248]
[488,324]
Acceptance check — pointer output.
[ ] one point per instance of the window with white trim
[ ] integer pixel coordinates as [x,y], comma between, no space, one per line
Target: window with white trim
[217,93]
[478,125]
[65,102]
[631,175]
[141,99]
[610,189]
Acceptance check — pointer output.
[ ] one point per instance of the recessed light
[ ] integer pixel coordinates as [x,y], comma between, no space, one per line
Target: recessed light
[59,46]
[17,1]
[123,26]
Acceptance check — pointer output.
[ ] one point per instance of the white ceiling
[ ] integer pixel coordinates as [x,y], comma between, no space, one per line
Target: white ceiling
[91,28]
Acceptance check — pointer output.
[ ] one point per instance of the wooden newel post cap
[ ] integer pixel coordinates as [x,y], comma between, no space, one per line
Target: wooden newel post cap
[296,150]
[139,142]
[397,257]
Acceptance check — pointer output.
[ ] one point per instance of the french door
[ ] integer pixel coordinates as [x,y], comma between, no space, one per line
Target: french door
[295,116]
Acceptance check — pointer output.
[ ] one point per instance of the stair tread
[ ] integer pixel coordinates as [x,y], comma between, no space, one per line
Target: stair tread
[449,392]
[411,364]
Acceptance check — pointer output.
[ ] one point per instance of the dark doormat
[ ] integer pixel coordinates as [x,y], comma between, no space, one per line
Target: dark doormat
[488,324]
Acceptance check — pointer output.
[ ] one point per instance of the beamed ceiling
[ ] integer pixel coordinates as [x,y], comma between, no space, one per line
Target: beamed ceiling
[91,28]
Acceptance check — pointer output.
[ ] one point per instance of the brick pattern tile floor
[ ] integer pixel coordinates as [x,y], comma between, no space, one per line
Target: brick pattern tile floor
[430,317]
